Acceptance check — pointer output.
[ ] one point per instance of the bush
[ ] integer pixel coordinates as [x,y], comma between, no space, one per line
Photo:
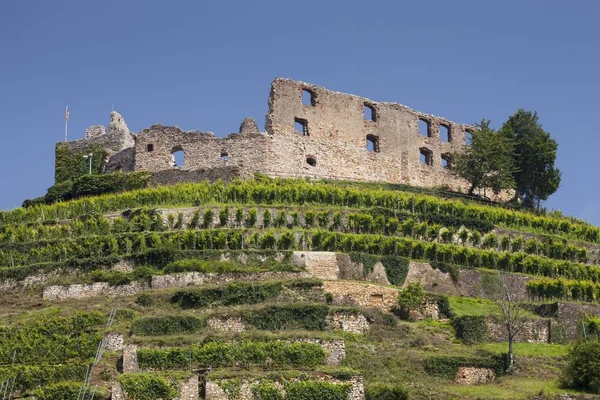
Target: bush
[144,300]
[245,353]
[380,391]
[311,390]
[238,293]
[447,366]
[411,298]
[59,391]
[309,317]
[583,370]
[470,329]
[168,325]
[147,387]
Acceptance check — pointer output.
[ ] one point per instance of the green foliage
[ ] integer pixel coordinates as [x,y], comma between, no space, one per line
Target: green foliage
[272,318]
[59,391]
[71,165]
[144,300]
[266,390]
[238,293]
[396,268]
[534,155]
[51,340]
[447,366]
[91,185]
[470,329]
[591,325]
[145,386]
[245,353]
[583,370]
[411,298]
[311,390]
[564,289]
[487,162]
[32,376]
[381,391]
[290,191]
[443,303]
[167,325]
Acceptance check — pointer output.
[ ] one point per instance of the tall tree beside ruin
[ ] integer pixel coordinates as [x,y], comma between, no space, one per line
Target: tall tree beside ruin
[487,162]
[535,175]
[503,290]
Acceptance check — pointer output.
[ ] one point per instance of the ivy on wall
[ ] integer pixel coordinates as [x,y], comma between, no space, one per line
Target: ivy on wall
[70,164]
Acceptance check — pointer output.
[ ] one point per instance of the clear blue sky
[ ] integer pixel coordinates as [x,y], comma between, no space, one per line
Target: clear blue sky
[208,64]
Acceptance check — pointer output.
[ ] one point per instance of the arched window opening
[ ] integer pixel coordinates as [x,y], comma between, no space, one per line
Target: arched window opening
[301,126]
[312,161]
[150,148]
[373,143]
[468,137]
[424,127]
[224,156]
[177,157]
[309,98]
[426,156]
[369,112]
[445,134]
[446,161]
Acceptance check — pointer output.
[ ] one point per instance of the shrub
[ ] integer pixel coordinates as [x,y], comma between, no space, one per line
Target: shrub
[311,390]
[411,298]
[59,391]
[309,317]
[144,300]
[167,325]
[143,386]
[447,366]
[583,370]
[470,329]
[380,391]
[267,391]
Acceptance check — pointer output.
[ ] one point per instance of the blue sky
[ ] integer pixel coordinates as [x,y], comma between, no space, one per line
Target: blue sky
[208,64]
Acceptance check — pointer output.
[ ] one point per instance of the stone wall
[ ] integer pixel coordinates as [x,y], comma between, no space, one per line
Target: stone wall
[130,361]
[227,324]
[320,264]
[199,278]
[348,322]
[473,375]
[215,392]
[175,176]
[114,341]
[569,315]
[362,294]
[533,331]
[331,143]
[81,291]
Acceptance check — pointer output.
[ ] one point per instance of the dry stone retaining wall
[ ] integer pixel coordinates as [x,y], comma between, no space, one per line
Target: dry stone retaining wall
[320,264]
[81,291]
[362,294]
[353,323]
[473,376]
[534,331]
[215,392]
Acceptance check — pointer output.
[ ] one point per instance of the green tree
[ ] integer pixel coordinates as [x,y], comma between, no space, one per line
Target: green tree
[534,154]
[583,371]
[488,162]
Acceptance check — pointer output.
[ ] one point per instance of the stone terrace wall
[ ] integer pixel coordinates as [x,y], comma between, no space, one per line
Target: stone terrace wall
[215,392]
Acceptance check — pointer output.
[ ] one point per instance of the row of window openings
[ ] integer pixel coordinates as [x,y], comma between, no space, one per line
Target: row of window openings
[426,158]
[370,114]
[179,155]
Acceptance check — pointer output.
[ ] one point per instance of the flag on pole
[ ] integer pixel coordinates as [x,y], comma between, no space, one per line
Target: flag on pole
[67,114]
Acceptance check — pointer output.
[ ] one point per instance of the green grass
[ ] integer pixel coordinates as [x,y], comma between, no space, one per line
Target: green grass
[529,349]
[509,388]
[472,306]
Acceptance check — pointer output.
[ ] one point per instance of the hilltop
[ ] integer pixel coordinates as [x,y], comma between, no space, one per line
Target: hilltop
[251,289]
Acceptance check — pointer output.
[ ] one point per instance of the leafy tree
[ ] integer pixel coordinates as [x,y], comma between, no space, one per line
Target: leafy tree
[534,154]
[488,162]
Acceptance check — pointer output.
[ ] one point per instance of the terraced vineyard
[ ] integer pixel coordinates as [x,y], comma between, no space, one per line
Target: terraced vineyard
[286,289]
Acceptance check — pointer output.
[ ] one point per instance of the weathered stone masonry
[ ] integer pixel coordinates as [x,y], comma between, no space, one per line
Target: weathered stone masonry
[332,135]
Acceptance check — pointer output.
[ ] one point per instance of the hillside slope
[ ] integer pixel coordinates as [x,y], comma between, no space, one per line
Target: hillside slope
[273,289]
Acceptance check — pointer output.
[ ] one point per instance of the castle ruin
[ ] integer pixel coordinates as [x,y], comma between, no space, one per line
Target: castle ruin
[310,132]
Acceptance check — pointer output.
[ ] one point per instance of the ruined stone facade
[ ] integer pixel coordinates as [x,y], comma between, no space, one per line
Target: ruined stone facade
[310,132]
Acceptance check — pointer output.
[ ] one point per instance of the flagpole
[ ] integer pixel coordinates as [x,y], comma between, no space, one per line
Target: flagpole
[66,124]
